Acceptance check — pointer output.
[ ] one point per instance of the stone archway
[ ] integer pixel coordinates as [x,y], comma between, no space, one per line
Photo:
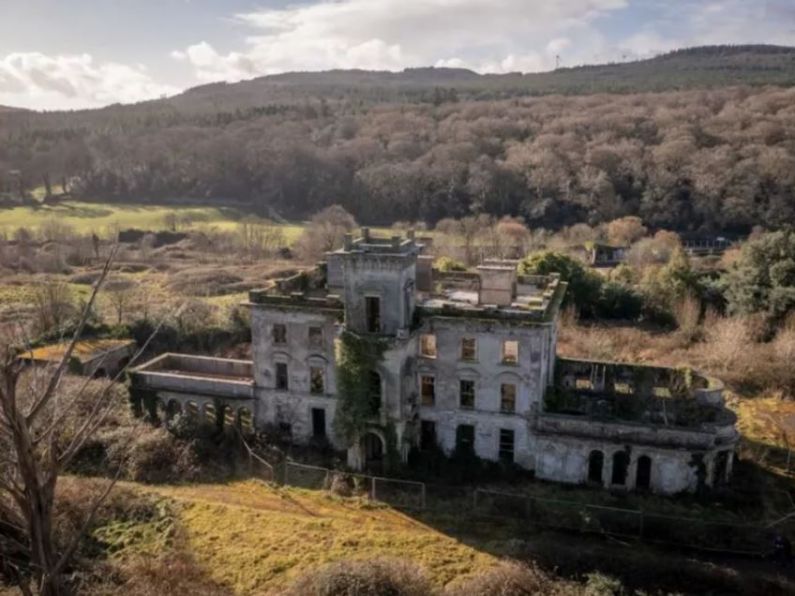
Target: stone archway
[373,451]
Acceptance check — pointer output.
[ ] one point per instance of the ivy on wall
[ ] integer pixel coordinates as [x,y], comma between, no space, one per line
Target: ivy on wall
[357,358]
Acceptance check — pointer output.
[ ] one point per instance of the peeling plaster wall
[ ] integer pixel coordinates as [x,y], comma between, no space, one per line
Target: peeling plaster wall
[488,372]
[293,406]
[565,459]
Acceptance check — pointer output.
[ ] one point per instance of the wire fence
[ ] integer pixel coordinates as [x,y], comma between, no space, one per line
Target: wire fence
[540,512]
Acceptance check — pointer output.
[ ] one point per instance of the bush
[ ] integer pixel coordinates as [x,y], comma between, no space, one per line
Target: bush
[376,577]
[151,455]
[617,301]
[584,284]
[505,579]
[447,264]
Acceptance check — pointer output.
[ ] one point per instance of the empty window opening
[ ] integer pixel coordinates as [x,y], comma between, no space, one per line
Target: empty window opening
[318,423]
[428,346]
[279,334]
[620,465]
[469,350]
[466,393]
[465,437]
[427,435]
[507,397]
[506,445]
[643,474]
[373,314]
[428,390]
[596,462]
[316,337]
[317,384]
[281,376]
[510,352]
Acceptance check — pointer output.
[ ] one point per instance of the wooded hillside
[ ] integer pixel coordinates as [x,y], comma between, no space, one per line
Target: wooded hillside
[432,143]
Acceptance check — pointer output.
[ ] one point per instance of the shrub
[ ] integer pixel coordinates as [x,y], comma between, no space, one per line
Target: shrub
[584,285]
[376,577]
[617,301]
[447,264]
[505,579]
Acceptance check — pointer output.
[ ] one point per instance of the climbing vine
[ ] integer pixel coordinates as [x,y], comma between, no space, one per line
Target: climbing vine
[357,360]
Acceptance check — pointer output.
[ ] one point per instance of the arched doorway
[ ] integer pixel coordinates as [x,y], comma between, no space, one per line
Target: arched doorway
[373,448]
[620,466]
[643,474]
[173,409]
[596,462]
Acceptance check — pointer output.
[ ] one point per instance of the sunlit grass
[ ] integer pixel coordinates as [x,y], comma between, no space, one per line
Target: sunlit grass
[256,538]
[104,219]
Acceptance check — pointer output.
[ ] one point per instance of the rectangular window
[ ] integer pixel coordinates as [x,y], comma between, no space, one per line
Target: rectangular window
[466,393]
[317,385]
[506,445]
[469,349]
[372,305]
[507,397]
[428,346]
[316,337]
[427,435]
[318,423]
[281,376]
[465,437]
[279,334]
[510,352]
[428,390]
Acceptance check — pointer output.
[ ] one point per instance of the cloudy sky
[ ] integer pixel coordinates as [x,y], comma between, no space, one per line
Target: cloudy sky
[88,53]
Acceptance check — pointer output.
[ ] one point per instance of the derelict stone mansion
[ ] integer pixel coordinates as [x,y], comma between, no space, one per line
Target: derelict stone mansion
[469,362]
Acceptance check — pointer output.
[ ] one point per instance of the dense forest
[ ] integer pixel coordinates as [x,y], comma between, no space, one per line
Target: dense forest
[575,145]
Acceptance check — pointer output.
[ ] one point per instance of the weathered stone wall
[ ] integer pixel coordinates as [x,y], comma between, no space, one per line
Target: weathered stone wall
[488,372]
[293,406]
[391,278]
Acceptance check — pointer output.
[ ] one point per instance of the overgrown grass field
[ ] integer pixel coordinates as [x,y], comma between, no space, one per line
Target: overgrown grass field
[255,538]
[104,219]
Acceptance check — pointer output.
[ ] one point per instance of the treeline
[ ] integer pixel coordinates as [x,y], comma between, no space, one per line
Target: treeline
[699,160]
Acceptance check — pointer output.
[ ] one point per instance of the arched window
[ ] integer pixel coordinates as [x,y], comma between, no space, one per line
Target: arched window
[620,465]
[596,462]
[643,474]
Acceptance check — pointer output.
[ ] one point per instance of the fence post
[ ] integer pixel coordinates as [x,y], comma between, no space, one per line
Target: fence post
[372,489]
[640,530]
[423,496]
[475,500]
[284,463]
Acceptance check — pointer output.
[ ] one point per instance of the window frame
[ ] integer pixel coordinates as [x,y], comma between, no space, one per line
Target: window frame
[277,376]
[513,359]
[432,339]
[474,357]
[317,339]
[279,338]
[503,409]
[432,400]
[461,404]
[502,451]
[312,387]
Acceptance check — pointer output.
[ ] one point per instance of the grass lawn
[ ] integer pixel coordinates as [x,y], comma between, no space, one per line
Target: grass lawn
[256,538]
[104,218]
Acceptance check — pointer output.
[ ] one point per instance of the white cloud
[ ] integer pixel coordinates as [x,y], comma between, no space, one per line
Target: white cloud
[36,80]
[485,35]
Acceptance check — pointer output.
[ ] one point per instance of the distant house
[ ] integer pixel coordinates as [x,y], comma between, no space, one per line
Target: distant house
[91,357]
[606,255]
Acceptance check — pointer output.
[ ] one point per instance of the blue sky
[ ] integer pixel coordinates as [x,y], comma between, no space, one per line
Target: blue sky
[87,53]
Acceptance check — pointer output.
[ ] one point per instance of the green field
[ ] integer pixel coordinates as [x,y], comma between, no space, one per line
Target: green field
[104,219]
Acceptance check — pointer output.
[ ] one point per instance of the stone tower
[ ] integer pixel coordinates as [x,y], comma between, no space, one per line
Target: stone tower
[379,276]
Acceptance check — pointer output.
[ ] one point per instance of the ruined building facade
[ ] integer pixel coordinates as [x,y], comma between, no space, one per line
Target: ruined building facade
[467,361]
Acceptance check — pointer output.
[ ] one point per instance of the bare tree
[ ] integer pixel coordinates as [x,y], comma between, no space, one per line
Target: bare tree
[34,452]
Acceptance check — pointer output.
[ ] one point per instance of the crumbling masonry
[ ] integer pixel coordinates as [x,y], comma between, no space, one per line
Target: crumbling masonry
[467,360]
